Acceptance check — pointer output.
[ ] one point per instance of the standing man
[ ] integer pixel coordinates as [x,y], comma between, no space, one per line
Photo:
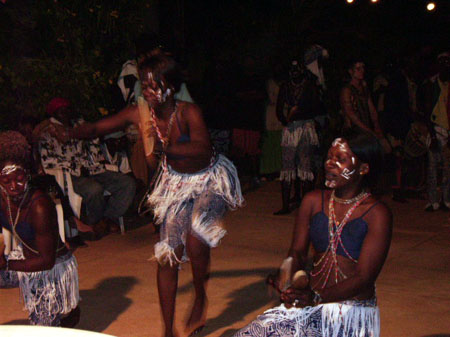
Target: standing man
[437,109]
[356,103]
[297,104]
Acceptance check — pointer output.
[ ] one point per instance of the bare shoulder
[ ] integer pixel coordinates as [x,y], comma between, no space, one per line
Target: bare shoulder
[42,211]
[189,110]
[379,214]
[313,198]
[41,202]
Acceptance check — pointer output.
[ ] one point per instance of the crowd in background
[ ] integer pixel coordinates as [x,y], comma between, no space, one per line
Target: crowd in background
[248,114]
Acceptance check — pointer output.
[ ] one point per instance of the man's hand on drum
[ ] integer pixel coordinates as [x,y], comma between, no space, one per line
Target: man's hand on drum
[298,298]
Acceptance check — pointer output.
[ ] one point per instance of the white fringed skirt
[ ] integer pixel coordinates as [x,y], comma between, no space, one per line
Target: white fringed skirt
[342,319]
[49,293]
[193,203]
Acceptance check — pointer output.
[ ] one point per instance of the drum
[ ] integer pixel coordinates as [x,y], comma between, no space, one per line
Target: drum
[417,140]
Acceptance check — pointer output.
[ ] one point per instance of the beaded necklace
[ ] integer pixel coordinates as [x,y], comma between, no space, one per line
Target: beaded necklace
[348,201]
[164,140]
[329,258]
[13,224]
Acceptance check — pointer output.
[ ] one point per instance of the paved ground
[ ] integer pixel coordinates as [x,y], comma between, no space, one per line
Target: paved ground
[118,287]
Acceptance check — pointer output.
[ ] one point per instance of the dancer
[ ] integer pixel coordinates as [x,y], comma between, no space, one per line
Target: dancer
[39,262]
[300,98]
[193,189]
[351,233]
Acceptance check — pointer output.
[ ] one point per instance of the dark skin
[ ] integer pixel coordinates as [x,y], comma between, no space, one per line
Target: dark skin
[357,80]
[198,150]
[41,216]
[196,156]
[295,113]
[361,276]
[37,211]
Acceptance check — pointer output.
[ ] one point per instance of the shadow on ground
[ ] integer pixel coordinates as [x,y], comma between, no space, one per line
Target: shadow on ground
[242,301]
[101,305]
[18,322]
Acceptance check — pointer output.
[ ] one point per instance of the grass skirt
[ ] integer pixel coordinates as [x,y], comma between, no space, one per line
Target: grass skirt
[48,294]
[343,319]
[193,203]
[299,141]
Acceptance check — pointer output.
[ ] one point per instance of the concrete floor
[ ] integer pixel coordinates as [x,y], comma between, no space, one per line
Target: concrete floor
[118,282]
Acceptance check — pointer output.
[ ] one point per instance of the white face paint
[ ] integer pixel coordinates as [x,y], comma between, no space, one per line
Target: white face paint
[344,170]
[160,96]
[10,169]
[346,173]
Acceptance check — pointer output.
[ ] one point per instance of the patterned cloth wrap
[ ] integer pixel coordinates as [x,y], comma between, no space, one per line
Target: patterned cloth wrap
[342,319]
[298,144]
[47,294]
[194,203]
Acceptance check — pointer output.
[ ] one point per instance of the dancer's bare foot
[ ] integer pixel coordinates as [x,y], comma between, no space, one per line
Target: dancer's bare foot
[196,321]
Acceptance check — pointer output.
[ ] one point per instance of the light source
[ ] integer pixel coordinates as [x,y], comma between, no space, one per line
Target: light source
[431,6]
[350,1]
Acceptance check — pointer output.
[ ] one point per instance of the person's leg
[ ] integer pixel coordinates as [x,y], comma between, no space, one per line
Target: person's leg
[433,198]
[445,186]
[122,188]
[199,254]
[8,279]
[167,278]
[285,198]
[72,318]
[287,175]
[92,193]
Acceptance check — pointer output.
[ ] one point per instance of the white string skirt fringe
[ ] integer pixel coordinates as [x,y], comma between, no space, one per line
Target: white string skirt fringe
[299,139]
[194,203]
[49,294]
[343,319]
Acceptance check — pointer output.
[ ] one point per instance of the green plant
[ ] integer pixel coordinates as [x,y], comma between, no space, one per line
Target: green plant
[73,49]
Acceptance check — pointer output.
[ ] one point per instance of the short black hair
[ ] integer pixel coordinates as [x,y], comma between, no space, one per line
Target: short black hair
[368,150]
[163,66]
[350,63]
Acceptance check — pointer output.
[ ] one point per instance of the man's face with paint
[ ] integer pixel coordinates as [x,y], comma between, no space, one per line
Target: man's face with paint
[341,166]
[13,179]
[155,91]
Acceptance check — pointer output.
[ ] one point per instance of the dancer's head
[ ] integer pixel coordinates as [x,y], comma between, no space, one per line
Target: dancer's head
[161,78]
[356,159]
[14,163]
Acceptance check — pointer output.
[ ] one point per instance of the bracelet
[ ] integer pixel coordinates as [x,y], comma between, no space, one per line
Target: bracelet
[317,298]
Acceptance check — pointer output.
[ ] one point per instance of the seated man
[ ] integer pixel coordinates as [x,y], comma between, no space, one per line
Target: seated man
[90,179]
[114,149]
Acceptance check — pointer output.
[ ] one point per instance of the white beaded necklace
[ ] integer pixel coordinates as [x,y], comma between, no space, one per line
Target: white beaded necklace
[349,201]
[13,224]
